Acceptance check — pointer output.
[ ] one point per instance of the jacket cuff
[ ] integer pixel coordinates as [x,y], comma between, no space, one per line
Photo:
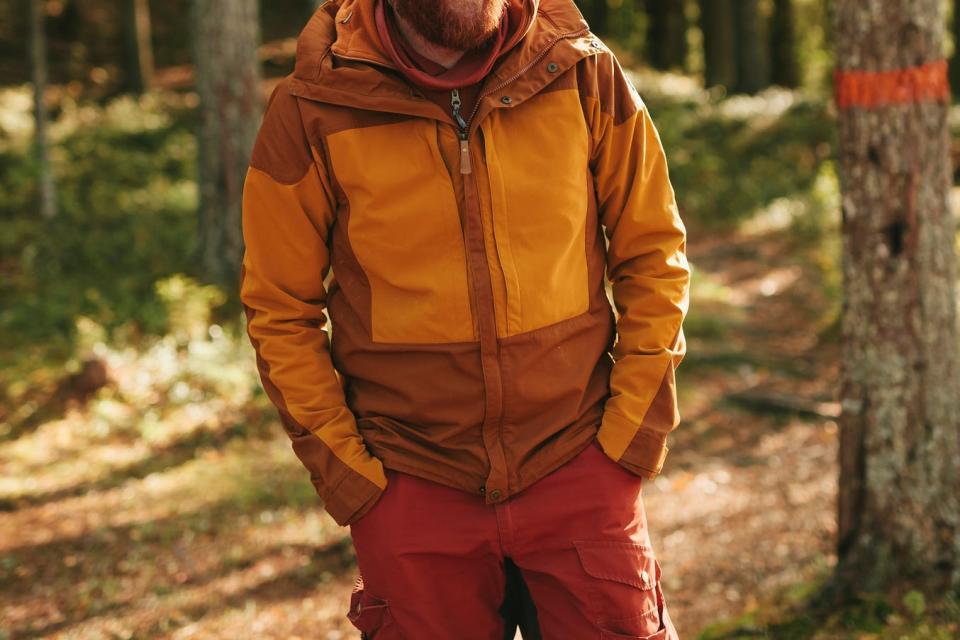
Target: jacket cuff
[346,493]
[646,452]
[350,499]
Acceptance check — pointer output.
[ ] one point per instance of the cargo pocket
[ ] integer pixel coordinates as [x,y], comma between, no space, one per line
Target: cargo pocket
[624,588]
[371,615]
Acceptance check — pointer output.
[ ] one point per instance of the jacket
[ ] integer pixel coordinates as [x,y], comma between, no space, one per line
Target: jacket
[462,260]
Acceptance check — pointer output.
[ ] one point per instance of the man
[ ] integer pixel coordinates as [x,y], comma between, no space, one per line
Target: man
[457,164]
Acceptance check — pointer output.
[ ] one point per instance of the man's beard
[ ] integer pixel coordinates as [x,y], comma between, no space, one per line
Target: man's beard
[464,28]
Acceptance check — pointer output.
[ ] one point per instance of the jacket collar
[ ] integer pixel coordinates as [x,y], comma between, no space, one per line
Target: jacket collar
[340,60]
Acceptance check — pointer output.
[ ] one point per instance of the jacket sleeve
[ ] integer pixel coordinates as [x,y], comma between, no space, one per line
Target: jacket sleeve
[646,265]
[288,210]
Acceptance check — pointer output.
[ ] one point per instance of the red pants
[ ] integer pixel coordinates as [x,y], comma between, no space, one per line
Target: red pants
[435,561]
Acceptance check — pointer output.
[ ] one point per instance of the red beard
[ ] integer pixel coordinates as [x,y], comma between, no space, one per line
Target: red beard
[439,23]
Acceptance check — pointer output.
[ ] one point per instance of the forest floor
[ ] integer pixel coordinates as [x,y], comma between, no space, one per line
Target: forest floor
[170,506]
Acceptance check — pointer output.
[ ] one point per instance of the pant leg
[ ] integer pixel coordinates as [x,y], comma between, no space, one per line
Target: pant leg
[580,538]
[430,563]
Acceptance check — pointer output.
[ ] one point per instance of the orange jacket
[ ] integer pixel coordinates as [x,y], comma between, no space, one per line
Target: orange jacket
[472,339]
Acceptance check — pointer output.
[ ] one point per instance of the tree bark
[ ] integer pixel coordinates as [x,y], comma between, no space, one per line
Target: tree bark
[716,24]
[783,55]
[41,143]
[899,501]
[666,35]
[750,52]
[226,35]
[138,46]
[955,61]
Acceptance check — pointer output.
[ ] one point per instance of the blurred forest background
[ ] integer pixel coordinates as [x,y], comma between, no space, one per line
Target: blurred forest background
[146,487]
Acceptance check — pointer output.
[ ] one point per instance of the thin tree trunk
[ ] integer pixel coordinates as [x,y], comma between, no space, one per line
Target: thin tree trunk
[599,17]
[783,55]
[139,49]
[955,62]
[751,55]
[41,144]
[899,503]
[228,83]
[666,34]
[716,24]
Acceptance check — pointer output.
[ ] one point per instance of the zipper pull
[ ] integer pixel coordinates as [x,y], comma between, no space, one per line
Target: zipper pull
[455,108]
[455,104]
[465,167]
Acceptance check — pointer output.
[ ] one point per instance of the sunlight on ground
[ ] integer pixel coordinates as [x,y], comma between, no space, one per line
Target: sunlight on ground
[171,495]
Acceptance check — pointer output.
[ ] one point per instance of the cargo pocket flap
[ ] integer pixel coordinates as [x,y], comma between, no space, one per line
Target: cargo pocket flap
[627,562]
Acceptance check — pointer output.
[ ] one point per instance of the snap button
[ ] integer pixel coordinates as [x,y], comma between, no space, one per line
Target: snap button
[595,44]
[552,67]
[495,494]
[506,99]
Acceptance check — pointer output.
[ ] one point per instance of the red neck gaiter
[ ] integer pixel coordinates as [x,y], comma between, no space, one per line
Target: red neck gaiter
[470,69]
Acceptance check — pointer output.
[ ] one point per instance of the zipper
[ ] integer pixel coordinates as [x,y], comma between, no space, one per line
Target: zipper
[463,130]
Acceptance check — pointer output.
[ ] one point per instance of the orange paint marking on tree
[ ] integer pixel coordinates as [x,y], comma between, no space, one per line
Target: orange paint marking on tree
[924,83]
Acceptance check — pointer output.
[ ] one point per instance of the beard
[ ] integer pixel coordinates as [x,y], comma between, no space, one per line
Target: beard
[453,24]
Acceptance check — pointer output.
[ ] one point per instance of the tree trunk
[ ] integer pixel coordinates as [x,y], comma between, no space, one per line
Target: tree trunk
[783,55]
[139,49]
[597,15]
[226,34]
[899,502]
[599,20]
[750,52]
[666,35]
[41,144]
[716,23]
[955,62]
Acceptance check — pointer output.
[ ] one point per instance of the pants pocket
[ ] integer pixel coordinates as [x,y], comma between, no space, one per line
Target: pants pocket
[371,614]
[624,588]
